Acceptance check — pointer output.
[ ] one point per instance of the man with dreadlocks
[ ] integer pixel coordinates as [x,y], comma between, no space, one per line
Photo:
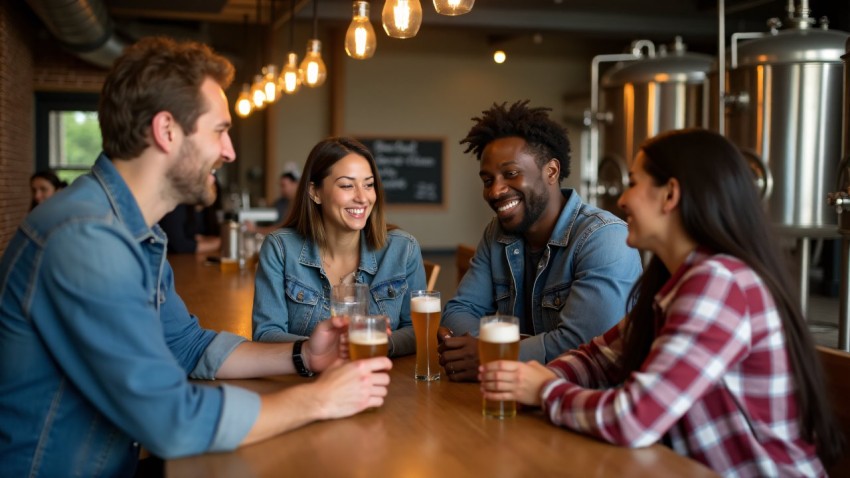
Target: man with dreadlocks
[561,266]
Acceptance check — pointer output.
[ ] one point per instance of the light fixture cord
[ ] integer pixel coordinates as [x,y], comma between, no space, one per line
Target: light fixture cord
[291,25]
[315,18]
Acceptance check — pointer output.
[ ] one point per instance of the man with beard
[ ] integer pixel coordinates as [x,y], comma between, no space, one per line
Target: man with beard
[96,347]
[561,266]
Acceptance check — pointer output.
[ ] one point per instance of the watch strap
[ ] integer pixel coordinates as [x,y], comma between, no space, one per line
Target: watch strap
[298,359]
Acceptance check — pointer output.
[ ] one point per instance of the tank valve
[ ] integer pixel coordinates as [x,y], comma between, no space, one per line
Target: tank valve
[840,200]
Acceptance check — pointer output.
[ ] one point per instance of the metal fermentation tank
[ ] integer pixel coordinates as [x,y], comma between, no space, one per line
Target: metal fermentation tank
[643,95]
[783,110]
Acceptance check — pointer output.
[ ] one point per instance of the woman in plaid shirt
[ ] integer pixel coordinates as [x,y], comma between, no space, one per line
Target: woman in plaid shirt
[715,358]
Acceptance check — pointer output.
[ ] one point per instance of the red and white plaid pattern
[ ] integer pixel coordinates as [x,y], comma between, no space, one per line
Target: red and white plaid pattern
[716,381]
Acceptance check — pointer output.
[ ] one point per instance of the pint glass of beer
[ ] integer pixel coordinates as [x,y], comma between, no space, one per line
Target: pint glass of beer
[367,336]
[425,313]
[498,339]
[349,299]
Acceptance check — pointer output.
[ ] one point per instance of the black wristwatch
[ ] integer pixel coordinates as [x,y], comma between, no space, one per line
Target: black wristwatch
[298,360]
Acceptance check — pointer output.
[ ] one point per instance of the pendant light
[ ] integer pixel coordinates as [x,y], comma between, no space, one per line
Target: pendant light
[268,72]
[270,88]
[290,77]
[312,66]
[243,103]
[258,94]
[402,18]
[453,7]
[360,41]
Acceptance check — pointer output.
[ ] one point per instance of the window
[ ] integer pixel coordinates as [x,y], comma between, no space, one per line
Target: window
[67,133]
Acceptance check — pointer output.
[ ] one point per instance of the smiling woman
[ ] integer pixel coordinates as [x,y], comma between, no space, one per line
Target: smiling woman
[336,233]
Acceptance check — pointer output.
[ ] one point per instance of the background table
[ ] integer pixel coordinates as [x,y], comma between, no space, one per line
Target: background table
[424,429]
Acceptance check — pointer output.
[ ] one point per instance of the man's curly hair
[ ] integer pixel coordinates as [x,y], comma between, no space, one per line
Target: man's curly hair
[546,139]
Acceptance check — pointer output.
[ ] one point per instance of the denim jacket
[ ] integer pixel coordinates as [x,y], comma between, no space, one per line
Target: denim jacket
[581,287]
[292,293]
[96,346]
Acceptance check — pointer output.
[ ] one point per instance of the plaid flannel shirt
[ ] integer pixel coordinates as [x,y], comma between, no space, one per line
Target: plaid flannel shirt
[717,379]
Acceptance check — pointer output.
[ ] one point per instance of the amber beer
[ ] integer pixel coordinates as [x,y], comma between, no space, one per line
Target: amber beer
[367,337]
[425,313]
[498,339]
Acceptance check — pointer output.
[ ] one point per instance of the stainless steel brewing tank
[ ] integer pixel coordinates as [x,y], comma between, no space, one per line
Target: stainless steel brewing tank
[646,97]
[787,112]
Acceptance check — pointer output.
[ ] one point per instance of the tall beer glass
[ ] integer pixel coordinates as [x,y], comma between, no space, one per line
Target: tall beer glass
[425,313]
[498,339]
[349,299]
[367,336]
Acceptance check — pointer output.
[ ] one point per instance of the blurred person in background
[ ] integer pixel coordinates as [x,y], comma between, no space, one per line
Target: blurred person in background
[43,185]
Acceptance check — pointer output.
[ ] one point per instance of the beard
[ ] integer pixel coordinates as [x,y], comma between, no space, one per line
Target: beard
[189,179]
[533,206]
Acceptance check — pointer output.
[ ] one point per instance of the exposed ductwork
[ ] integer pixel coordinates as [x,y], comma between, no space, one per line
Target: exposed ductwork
[83,27]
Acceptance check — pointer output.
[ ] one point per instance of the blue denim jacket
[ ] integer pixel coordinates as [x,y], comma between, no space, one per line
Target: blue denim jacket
[96,346]
[292,293]
[582,284]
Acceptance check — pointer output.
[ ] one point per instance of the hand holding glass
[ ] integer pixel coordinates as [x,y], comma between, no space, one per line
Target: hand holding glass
[425,313]
[498,339]
[367,336]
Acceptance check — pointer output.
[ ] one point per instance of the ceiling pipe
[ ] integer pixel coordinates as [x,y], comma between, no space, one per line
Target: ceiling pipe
[83,27]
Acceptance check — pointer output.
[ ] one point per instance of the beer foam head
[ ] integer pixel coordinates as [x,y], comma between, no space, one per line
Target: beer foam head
[367,337]
[425,304]
[499,332]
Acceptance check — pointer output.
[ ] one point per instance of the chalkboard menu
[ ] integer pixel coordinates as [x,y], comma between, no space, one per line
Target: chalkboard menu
[411,169]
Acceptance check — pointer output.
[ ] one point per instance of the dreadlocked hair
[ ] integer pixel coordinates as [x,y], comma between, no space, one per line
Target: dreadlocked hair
[545,138]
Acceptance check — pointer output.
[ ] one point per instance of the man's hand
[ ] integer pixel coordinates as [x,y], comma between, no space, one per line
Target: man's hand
[326,344]
[458,355]
[352,387]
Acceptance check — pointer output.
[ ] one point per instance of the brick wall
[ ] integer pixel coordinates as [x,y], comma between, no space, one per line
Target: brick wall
[16,116]
[30,61]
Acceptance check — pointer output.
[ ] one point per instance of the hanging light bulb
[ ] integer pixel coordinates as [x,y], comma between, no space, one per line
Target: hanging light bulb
[453,7]
[243,103]
[313,66]
[258,95]
[360,41]
[499,56]
[402,18]
[270,88]
[289,81]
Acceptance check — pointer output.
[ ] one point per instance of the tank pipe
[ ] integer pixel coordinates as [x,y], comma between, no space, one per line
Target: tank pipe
[594,116]
[844,293]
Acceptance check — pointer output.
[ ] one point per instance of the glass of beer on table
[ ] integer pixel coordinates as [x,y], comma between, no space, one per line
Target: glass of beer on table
[367,336]
[349,299]
[498,339]
[425,313]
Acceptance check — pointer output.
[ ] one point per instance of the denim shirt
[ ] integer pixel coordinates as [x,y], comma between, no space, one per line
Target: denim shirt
[96,346]
[292,292]
[581,286]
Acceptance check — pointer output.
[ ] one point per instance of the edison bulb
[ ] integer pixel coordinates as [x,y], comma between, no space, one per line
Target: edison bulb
[243,103]
[290,78]
[499,56]
[453,7]
[312,66]
[402,18]
[270,88]
[258,95]
[360,40]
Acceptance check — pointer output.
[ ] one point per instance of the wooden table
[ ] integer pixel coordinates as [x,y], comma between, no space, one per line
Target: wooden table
[222,300]
[424,429]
